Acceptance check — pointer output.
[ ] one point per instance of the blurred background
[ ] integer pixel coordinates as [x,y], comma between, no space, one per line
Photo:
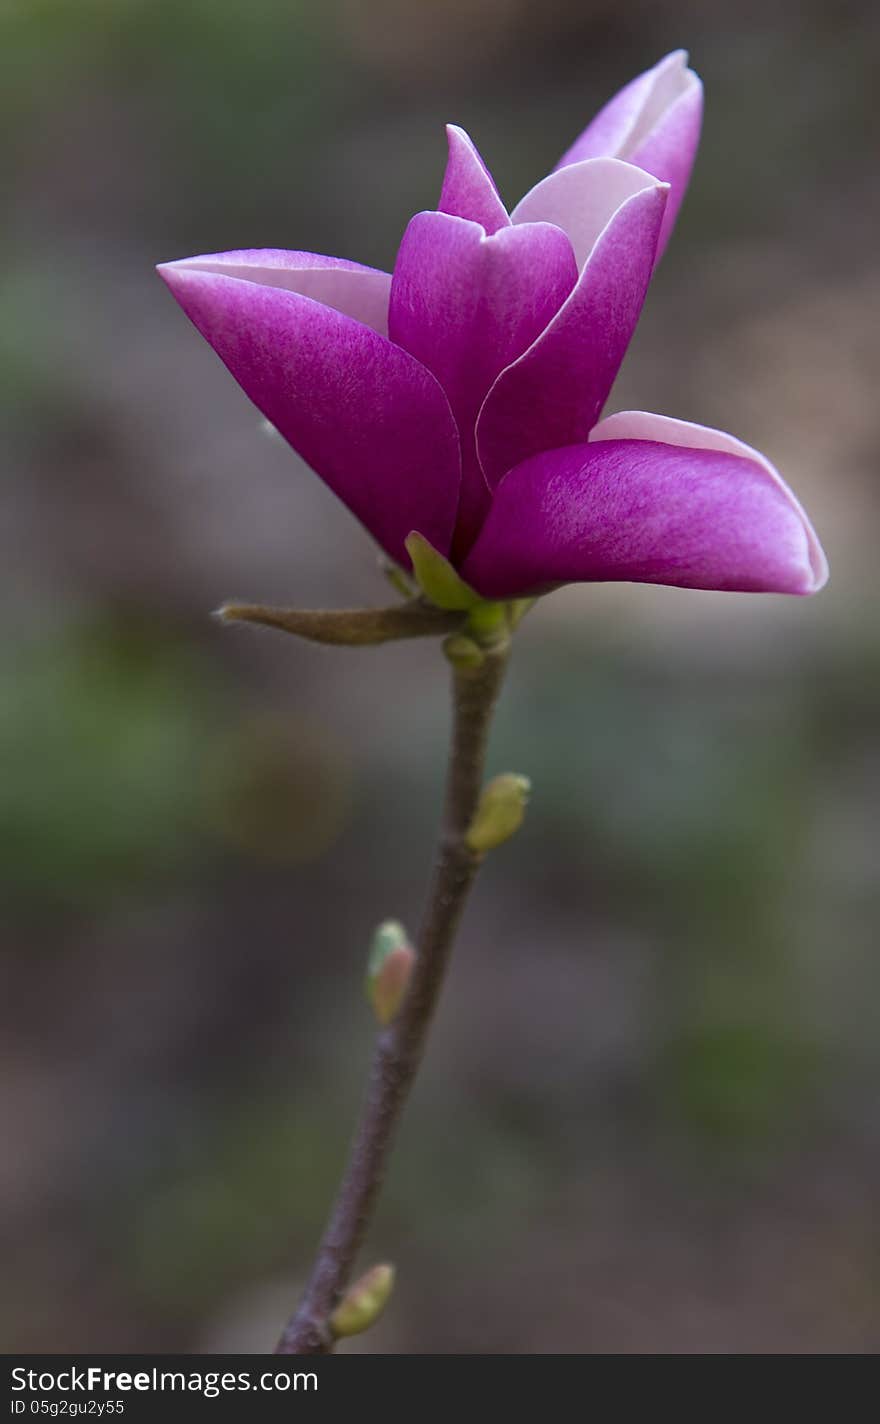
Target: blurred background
[649,1117]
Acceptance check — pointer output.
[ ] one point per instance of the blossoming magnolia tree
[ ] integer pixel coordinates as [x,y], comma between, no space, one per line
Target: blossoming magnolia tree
[455,406]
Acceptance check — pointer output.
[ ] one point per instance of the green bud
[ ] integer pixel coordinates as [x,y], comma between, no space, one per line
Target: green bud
[500,813]
[437,578]
[363,1302]
[389,970]
[463,652]
[487,623]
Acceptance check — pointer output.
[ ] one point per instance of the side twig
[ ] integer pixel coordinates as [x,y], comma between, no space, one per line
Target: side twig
[351,627]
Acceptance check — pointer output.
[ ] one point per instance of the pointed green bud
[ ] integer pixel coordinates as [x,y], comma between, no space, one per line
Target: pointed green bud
[437,578]
[363,1302]
[500,812]
[463,652]
[389,970]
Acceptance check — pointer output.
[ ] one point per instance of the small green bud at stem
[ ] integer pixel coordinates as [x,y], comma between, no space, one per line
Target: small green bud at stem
[487,623]
[363,1303]
[389,970]
[500,813]
[463,652]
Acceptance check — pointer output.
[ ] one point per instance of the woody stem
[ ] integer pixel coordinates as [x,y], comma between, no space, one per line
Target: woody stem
[400,1046]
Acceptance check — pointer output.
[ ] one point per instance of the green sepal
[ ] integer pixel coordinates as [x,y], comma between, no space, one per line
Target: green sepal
[437,578]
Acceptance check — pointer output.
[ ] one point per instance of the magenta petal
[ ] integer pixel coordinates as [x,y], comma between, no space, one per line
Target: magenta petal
[466,306]
[554,393]
[371,421]
[468,187]
[635,110]
[646,512]
[643,425]
[359,292]
[669,151]
[654,122]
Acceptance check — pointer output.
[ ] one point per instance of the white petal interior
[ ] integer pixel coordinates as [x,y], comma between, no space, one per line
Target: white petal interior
[582,198]
[358,292]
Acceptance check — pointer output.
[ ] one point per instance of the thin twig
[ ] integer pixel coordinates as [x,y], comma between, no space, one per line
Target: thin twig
[400,1046]
[352,627]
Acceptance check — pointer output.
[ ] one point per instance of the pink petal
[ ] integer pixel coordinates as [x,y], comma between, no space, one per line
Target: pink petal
[467,305]
[359,292]
[647,512]
[669,152]
[635,110]
[371,421]
[642,425]
[554,393]
[654,122]
[468,187]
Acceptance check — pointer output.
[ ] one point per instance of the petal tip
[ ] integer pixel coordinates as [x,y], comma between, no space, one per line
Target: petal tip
[819,568]
[175,272]
[813,571]
[676,59]
[170,274]
[468,187]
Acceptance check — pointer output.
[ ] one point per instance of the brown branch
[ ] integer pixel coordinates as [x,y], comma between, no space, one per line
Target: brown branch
[400,1046]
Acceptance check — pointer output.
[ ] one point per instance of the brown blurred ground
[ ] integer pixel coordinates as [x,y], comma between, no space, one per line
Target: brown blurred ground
[649,1119]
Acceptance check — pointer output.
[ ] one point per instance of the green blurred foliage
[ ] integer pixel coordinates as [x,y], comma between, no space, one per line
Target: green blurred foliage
[215,92]
[220,1204]
[101,729]
[739,1085]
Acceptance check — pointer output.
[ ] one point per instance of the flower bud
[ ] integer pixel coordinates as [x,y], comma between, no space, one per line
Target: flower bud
[500,812]
[389,970]
[363,1302]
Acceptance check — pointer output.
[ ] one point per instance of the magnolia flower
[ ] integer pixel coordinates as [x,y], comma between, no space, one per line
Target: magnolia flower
[460,397]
